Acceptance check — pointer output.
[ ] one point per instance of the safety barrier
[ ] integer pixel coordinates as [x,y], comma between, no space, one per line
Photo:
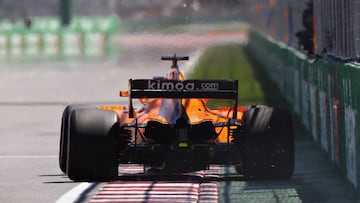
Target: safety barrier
[85,38]
[325,94]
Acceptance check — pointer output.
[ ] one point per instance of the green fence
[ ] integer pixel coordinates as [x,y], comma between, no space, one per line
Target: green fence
[85,38]
[325,94]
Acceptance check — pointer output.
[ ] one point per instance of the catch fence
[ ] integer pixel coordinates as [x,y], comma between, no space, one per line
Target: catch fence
[336,24]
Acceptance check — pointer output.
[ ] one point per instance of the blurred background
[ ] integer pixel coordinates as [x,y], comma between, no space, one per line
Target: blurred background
[71,28]
[302,54]
[53,29]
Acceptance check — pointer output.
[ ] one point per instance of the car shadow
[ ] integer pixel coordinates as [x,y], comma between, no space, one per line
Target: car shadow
[178,177]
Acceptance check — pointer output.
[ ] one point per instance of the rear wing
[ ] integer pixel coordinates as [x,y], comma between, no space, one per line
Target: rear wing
[212,89]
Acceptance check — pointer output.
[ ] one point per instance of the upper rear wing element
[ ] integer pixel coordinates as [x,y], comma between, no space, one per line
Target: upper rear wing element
[212,89]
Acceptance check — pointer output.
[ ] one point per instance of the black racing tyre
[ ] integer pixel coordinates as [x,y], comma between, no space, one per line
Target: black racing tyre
[64,132]
[93,145]
[268,152]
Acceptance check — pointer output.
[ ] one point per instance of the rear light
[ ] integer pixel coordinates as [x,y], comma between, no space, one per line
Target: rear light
[182,134]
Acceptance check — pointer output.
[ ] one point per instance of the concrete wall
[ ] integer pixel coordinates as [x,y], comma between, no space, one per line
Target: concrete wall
[325,94]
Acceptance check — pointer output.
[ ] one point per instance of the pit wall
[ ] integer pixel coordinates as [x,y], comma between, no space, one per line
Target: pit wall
[325,95]
[45,39]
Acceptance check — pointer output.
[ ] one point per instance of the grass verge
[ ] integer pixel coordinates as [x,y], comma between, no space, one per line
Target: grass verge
[230,62]
[233,62]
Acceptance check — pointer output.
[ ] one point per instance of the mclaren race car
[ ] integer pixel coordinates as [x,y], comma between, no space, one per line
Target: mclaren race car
[174,131]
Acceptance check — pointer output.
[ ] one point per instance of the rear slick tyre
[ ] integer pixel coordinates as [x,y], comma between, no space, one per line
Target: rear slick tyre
[93,146]
[269,146]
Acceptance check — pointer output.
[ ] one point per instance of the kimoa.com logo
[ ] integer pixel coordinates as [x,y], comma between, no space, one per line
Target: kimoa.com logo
[181,85]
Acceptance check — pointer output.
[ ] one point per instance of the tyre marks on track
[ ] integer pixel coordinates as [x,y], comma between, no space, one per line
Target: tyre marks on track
[183,40]
[196,188]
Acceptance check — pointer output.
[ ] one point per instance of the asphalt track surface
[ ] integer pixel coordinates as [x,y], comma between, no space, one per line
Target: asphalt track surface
[31,103]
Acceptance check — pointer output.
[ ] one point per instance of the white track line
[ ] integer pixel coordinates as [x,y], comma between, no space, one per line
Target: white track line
[28,156]
[75,193]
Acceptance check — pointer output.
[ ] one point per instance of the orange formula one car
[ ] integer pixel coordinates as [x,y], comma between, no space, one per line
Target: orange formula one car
[174,131]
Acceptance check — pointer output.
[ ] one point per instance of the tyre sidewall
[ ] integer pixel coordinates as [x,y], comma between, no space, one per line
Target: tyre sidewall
[92,147]
[64,132]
